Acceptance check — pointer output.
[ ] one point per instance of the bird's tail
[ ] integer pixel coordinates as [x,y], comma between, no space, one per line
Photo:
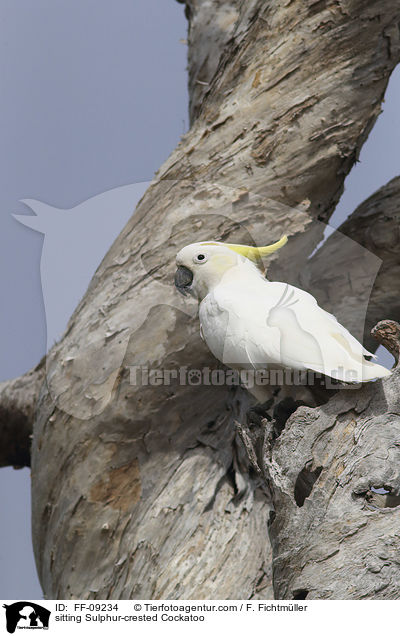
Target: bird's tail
[373,371]
[364,371]
[352,365]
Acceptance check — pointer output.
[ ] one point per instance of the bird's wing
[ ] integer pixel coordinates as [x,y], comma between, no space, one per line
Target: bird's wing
[267,323]
[341,355]
[234,328]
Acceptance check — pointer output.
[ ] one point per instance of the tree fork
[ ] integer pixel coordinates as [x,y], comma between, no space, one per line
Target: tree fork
[134,487]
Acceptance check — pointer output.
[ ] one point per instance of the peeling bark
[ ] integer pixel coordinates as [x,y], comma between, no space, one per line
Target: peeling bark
[143,491]
[335,483]
[209,32]
[259,126]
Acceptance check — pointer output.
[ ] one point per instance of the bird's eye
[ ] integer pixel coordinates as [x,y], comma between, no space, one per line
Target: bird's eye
[200,258]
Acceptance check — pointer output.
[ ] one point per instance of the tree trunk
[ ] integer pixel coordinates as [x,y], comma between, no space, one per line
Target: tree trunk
[334,473]
[142,490]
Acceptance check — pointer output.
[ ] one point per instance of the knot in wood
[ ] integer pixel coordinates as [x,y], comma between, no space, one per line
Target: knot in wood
[387,333]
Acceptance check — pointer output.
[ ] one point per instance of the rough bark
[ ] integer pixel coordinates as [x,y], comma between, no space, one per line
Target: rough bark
[335,481]
[142,491]
[208,34]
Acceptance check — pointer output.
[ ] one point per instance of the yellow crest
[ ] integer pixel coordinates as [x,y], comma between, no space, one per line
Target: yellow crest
[254,253]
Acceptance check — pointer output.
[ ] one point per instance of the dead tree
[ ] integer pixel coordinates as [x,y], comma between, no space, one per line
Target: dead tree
[141,491]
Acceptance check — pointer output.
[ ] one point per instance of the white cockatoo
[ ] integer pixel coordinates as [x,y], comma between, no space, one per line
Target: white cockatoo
[251,323]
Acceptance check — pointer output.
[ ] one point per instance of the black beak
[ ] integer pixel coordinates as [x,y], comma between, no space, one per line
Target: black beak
[183,279]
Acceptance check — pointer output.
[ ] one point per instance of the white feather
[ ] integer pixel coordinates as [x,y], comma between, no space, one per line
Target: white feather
[249,321]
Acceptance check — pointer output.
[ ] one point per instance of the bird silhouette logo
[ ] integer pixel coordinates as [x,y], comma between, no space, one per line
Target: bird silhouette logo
[82,379]
[26,615]
[73,248]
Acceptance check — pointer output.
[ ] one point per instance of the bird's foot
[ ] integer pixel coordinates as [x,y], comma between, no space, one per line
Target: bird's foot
[252,431]
[263,424]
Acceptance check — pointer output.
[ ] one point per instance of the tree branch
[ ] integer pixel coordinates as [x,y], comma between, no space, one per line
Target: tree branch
[17,407]
[388,334]
[340,274]
[144,479]
[208,34]
[333,473]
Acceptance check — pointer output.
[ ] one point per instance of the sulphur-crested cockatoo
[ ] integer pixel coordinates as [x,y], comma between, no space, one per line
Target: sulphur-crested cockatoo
[250,322]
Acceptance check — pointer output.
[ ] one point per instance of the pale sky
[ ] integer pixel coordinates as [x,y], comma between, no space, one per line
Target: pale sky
[94,97]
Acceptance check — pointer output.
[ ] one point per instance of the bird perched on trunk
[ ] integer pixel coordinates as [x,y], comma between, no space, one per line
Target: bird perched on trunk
[250,322]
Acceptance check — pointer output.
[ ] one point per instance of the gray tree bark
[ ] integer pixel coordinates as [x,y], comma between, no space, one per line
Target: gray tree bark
[143,491]
[375,226]
[334,474]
